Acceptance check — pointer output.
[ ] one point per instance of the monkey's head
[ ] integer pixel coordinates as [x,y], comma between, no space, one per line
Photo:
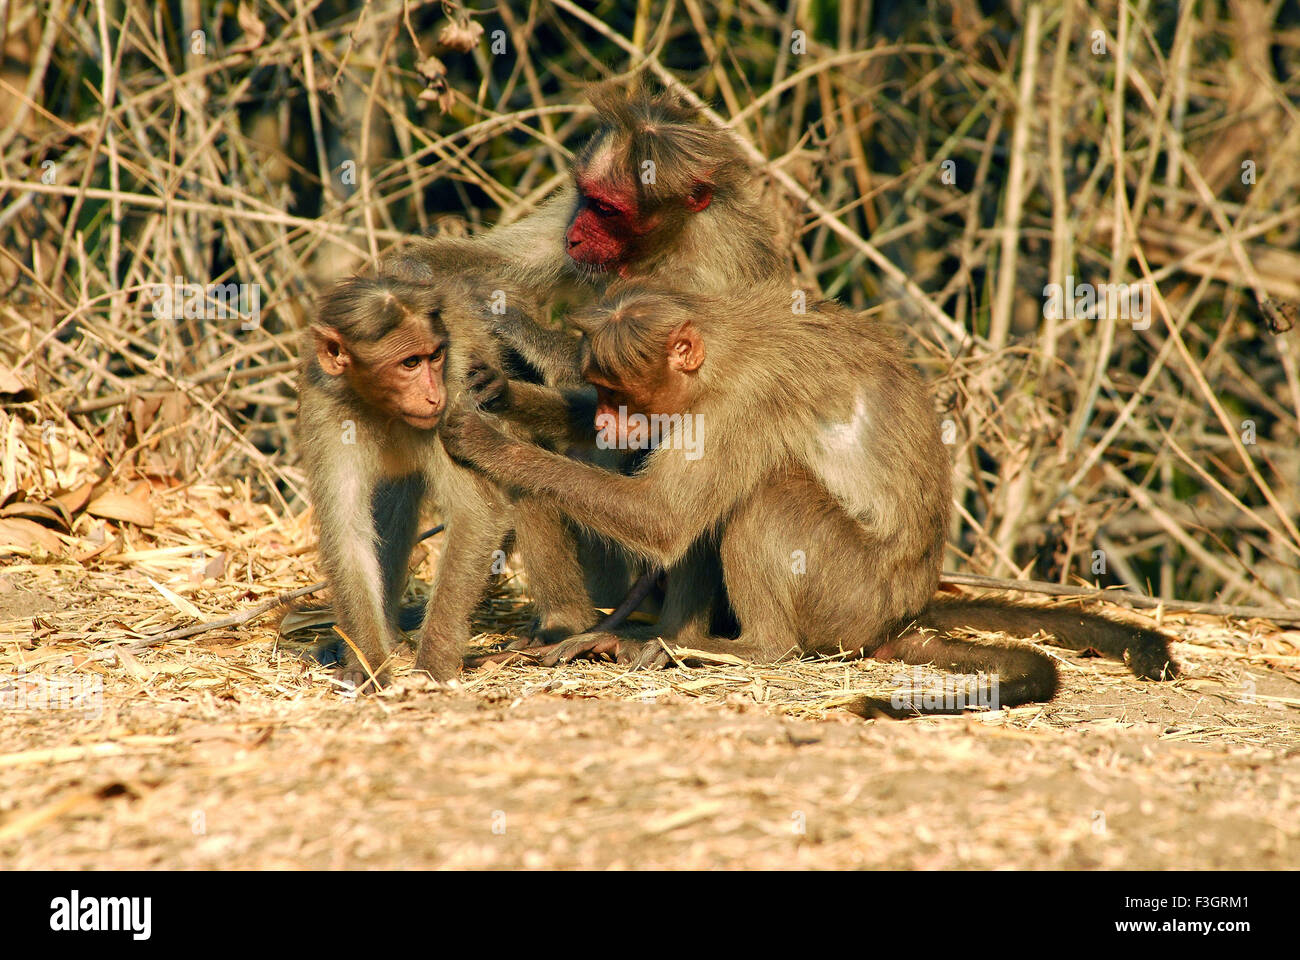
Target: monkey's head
[650,167]
[643,351]
[387,341]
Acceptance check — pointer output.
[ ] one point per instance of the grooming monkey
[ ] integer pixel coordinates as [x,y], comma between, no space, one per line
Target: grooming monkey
[810,455]
[655,194]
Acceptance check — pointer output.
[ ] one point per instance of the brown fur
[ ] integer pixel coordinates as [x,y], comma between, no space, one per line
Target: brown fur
[822,482]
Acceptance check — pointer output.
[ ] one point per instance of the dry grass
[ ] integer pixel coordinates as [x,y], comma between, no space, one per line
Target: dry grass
[148,475]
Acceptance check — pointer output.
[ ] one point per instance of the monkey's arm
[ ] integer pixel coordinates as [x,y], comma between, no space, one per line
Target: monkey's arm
[657,513]
[553,353]
[555,417]
[526,255]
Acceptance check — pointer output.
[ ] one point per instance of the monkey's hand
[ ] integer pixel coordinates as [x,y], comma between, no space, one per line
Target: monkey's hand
[639,654]
[469,439]
[487,385]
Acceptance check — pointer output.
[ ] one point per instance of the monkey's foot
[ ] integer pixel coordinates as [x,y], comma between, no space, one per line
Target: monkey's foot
[355,677]
[441,661]
[639,654]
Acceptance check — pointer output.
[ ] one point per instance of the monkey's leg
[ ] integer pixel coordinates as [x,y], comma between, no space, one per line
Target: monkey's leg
[394,518]
[765,551]
[829,581]
[803,576]
[608,570]
[478,519]
[641,592]
[836,586]
[571,572]
[548,548]
[691,601]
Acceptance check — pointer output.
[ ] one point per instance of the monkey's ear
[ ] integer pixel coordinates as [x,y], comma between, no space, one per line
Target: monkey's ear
[685,349]
[701,196]
[331,350]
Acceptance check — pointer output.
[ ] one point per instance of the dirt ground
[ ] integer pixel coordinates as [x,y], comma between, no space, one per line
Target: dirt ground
[226,751]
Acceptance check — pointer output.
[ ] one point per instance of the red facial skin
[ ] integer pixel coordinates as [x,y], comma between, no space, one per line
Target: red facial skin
[604,227]
[401,376]
[666,388]
[606,230]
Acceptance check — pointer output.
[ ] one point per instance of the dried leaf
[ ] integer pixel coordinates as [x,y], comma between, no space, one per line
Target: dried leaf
[143,410]
[38,512]
[174,409]
[706,656]
[296,621]
[115,543]
[176,600]
[254,29]
[9,382]
[216,567]
[431,68]
[445,100]
[462,35]
[26,535]
[122,507]
[76,499]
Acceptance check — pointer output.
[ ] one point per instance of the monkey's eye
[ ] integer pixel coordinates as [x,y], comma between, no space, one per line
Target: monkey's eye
[413,361]
[603,209]
[439,353]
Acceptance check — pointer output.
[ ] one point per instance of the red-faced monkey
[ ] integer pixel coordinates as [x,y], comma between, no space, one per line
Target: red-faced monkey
[655,194]
[810,454]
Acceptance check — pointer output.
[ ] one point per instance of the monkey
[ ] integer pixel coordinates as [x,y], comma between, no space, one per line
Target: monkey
[655,193]
[809,457]
[378,371]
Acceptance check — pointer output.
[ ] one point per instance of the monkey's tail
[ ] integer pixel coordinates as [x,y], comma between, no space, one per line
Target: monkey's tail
[1004,674]
[1145,651]
[994,675]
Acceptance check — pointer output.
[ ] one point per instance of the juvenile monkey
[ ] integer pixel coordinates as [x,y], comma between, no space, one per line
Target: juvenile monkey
[810,455]
[378,372]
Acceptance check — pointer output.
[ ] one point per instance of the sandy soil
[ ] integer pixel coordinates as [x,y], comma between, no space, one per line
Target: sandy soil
[225,751]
